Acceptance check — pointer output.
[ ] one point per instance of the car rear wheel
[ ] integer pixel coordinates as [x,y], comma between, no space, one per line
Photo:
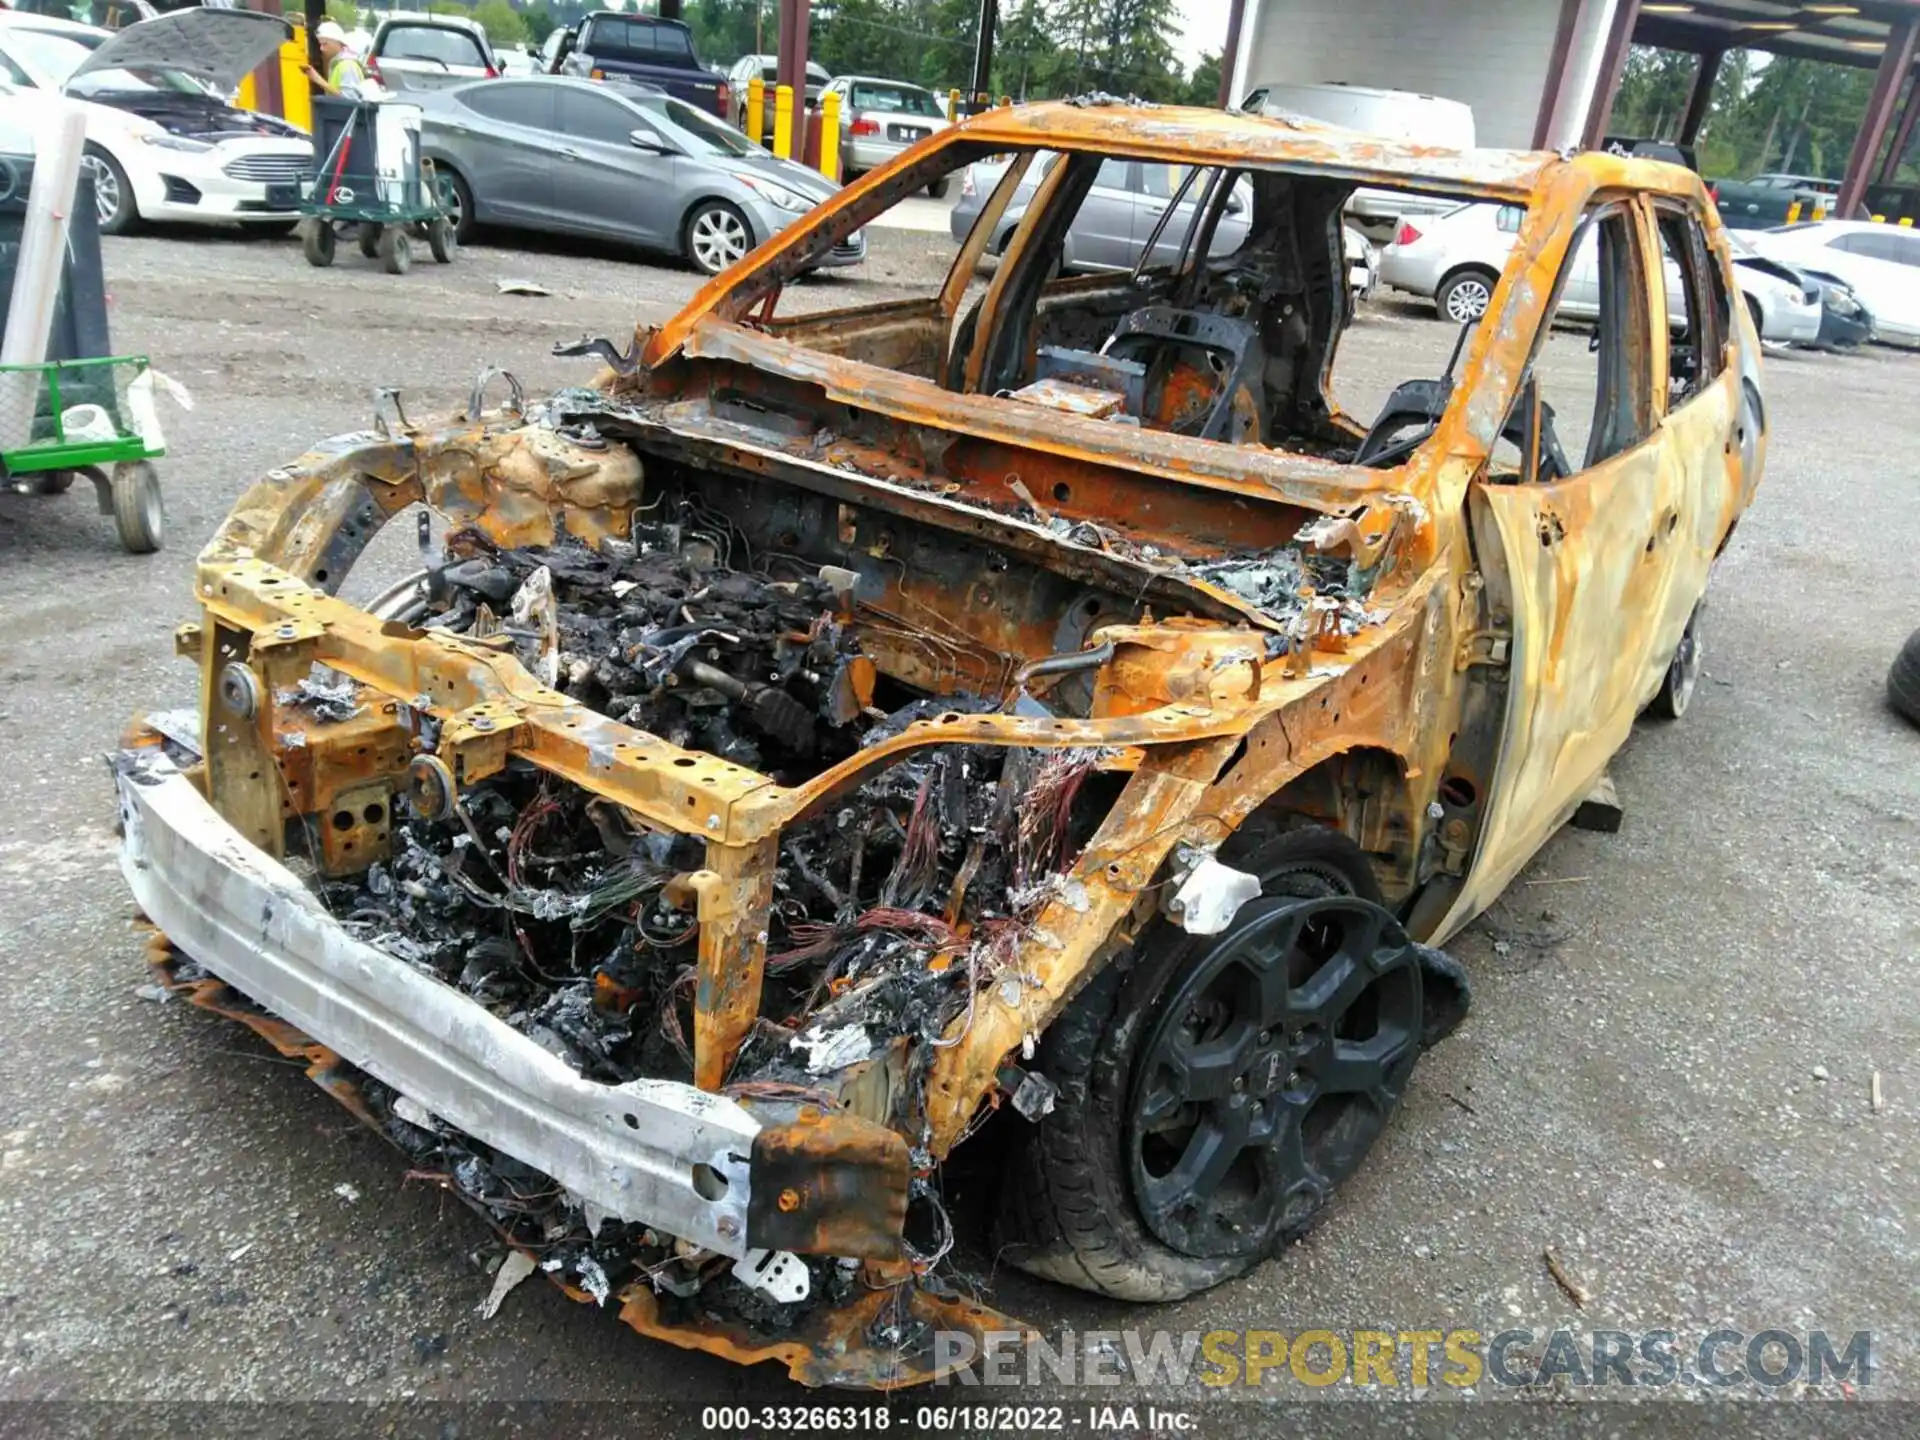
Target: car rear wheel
[938,189]
[1213,1093]
[112,193]
[270,229]
[370,239]
[459,204]
[1759,317]
[1903,680]
[1675,694]
[1464,295]
[716,235]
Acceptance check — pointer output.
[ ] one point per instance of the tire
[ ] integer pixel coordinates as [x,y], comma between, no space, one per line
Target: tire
[938,189]
[370,239]
[269,229]
[119,214]
[1070,1204]
[1464,295]
[317,241]
[714,236]
[462,211]
[1675,694]
[441,239]
[1903,679]
[1759,317]
[396,249]
[138,513]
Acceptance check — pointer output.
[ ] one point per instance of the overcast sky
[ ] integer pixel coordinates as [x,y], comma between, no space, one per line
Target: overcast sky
[1203,26]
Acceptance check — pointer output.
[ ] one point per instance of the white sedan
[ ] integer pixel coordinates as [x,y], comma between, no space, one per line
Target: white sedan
[1456,259]
[161,142]
[1880,262]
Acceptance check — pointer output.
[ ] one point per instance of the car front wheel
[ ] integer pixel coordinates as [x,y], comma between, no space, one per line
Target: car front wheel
[716,235]
[112,193]
[1213,1093]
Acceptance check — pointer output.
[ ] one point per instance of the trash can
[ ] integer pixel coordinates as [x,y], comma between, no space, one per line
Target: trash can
[379,163]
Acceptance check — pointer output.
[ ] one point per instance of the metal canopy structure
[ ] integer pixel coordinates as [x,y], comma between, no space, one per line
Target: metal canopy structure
[1855,32]
[1882,35]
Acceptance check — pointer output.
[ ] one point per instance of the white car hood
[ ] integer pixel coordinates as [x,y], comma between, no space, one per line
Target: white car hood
[217,46]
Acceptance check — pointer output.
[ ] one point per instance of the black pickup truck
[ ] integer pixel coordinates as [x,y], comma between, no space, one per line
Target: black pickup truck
[608,45]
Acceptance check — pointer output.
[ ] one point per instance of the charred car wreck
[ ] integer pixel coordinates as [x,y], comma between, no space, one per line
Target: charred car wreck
[1041,708]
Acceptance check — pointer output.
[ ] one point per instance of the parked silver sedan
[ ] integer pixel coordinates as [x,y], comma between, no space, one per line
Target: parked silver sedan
[619,162]
[880,118]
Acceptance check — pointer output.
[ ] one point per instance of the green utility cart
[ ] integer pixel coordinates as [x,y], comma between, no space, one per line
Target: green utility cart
[76,417]
[372,176]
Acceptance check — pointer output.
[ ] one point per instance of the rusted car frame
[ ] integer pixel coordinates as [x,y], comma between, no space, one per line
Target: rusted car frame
[1431,660]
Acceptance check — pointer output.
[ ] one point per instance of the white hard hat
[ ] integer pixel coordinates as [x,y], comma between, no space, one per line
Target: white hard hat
[330,30]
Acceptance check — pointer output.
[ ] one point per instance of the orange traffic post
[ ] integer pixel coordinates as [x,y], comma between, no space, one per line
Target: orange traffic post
[783,121]
[830,135]
[953,104]
[756,109]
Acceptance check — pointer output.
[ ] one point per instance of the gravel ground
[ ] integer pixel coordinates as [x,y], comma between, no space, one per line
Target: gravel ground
[1665,1080]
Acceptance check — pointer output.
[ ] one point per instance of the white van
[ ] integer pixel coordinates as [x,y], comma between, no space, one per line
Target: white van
[1396,114]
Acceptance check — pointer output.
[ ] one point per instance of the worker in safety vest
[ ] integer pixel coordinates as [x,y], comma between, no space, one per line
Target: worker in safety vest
[345,75]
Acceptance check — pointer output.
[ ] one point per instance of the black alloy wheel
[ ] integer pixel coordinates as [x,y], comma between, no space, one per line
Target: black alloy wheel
[1270,1072]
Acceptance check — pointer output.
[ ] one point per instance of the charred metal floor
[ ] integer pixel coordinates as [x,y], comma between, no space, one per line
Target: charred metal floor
[186,1216]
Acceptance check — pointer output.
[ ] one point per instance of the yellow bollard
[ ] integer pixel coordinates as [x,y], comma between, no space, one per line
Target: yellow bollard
[1907,221]
[953,105]
[1793,213]
[783,121]
[830,135]
[1006,102]
[756,109]
[1879,219]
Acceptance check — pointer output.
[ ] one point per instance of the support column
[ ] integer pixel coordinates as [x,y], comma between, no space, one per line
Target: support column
[1896,62]
[982,96]
[1559,63]
[1613,64]
[1902,133]
[796,19]
[1700,98]
[1230,52]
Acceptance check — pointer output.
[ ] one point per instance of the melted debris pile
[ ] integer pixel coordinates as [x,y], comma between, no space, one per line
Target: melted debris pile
[893,909]
[661,635]
[892,914]
[553,908]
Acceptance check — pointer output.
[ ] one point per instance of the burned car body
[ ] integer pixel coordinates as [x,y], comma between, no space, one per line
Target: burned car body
[827,732]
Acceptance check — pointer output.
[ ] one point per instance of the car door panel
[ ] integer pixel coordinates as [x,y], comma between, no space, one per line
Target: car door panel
[1596,573]
[501,143]
[605,185]
[1568,563]
[1102,232]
